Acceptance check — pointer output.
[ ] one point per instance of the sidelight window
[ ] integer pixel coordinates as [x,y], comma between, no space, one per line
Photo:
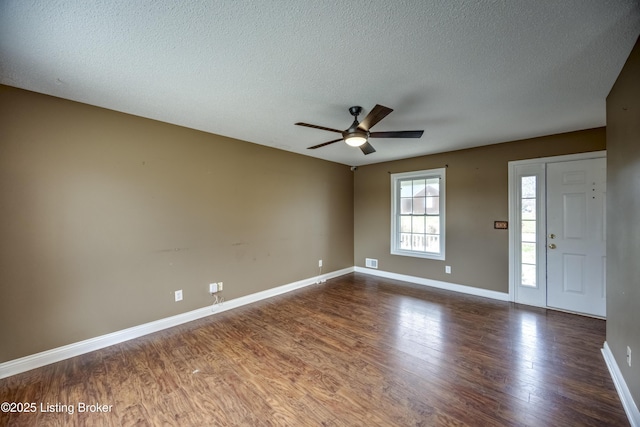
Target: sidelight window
[528,227]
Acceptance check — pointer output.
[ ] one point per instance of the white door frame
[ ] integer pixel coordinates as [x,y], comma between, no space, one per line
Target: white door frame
[536,167]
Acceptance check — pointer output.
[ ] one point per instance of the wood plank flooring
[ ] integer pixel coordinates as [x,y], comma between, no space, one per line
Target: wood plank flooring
[356,351]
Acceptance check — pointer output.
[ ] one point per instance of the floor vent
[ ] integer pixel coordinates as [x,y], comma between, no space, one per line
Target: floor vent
[371,263]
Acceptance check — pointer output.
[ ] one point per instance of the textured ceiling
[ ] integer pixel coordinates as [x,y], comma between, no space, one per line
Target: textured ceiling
[467,72]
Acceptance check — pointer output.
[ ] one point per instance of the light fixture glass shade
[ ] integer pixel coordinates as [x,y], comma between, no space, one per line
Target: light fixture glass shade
[355,140]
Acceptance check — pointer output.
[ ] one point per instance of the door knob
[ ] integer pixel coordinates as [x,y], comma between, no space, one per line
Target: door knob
[552,246]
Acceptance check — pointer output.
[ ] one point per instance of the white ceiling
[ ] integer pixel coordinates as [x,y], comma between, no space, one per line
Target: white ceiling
[467,72]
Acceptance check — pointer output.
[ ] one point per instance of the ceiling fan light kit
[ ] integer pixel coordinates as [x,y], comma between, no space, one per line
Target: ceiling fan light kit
[358,133]
[356,139]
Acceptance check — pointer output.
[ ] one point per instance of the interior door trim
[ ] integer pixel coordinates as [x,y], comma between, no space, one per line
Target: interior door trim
[514,255]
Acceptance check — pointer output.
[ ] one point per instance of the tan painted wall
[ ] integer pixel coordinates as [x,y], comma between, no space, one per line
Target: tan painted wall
[104,215]
[623,220]
[476,196]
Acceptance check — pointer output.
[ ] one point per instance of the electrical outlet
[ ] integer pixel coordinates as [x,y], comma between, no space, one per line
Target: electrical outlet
[319,263]
[447,269]
[178,295]
[629,356]
[220,286]
[213,288]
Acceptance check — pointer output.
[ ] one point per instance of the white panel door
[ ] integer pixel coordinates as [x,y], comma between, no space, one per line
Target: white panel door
[576,236]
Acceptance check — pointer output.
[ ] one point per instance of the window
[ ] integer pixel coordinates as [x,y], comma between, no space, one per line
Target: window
[417,213]
[528,220]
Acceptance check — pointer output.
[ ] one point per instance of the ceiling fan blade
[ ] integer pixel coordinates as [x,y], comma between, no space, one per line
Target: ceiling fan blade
[397,134]
[367,148]
[323,144]
[318,127]
[378,113]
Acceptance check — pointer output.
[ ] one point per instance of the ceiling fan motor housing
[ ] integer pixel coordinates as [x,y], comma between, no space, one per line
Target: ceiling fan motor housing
[354,131]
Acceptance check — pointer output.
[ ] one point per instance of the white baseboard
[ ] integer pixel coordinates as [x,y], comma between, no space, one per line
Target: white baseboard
[47,357]
[628,404]
[436,284]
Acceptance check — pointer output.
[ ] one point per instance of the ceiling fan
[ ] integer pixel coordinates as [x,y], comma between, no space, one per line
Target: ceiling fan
[358,134]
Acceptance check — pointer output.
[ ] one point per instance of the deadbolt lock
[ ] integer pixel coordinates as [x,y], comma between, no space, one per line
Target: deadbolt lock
[552,236]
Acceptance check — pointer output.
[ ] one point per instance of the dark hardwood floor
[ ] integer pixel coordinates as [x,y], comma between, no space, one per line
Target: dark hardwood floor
[356,351]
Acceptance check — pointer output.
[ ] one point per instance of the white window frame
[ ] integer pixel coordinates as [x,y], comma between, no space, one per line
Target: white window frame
[396,178]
